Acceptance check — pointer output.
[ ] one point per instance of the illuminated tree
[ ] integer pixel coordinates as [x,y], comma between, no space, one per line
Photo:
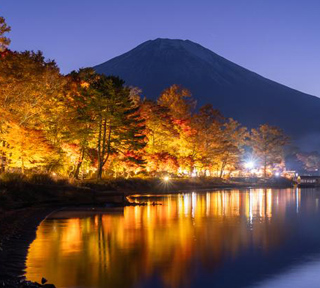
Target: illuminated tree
[26,148]
[159,127]
[207,124]
[230,148]
[267,143]
[90,121]
[159,163]
[118,126]
[129,164]
[28,86]
[178,100]
[168,128]
[79,117]
[4,28]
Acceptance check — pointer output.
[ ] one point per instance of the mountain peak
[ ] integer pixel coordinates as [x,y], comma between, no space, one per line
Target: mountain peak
[179,45]
[239,93]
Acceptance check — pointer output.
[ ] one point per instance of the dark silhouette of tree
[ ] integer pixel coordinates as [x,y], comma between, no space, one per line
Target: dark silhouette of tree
[4,28]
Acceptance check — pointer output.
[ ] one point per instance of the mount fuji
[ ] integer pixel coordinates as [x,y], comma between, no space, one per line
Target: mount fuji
[237,92]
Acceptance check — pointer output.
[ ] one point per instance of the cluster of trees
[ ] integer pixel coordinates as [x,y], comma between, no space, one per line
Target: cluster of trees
[86,124]
[307,163]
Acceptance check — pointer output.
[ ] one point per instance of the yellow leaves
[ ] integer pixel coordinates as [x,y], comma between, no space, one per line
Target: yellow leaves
[84,84]
[178,100]
[28,85]
[267,143]
[25,148]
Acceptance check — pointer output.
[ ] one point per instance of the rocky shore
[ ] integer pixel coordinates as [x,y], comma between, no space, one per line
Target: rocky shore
[18,230]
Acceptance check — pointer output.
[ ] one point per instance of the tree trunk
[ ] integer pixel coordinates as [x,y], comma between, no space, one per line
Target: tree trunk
[222,170]
[3,163]
[3,159]
[99,175]
[76,173]
[265,166]
[22,165]
[103,143]
[223,165]
[99,172]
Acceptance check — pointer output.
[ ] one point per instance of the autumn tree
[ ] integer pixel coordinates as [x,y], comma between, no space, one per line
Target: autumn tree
[267,143]
[310,161]
[178,100]
[26,148]
[207,125]
[168,125]
[159,126]
[79,117]
[231,143]
[4,41]
[117,122]
[28,86]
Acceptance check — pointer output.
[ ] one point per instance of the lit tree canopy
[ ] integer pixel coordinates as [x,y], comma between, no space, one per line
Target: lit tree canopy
[178,100]
[90,123]
[28,85]
[28,89]
[267,143]
[115,123]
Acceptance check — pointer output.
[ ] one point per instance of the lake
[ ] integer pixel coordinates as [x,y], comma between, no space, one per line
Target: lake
[231,238]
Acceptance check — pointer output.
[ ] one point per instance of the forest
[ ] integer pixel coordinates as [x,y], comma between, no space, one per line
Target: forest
[86,125]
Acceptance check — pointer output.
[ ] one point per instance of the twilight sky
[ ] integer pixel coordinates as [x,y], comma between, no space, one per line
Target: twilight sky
[278,39]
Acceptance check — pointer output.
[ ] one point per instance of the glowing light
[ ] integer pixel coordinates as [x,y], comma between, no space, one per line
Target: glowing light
[277,174]
[249,165]
[166,178]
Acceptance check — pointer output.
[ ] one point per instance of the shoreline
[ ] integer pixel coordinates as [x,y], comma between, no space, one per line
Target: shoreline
[18,226]
[18,230]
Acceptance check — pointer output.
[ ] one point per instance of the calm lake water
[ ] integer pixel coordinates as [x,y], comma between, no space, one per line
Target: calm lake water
[251,238]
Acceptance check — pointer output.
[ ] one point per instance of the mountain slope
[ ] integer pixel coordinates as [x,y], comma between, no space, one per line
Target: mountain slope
[237,92]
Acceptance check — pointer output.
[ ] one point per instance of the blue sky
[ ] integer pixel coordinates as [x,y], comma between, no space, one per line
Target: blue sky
[279,39]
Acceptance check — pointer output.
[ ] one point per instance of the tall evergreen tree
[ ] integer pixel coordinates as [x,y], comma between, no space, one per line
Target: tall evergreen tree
[4,28]
[117,126]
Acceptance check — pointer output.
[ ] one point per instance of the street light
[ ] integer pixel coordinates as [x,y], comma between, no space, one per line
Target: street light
[166,178]
[249,165]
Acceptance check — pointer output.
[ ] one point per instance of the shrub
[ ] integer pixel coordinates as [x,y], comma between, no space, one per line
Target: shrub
[41,179]
[12,177]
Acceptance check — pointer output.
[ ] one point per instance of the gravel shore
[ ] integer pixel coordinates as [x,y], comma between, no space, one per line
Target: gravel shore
[17,231]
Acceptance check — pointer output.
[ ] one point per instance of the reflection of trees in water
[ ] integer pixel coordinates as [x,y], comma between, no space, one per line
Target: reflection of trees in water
[163,241]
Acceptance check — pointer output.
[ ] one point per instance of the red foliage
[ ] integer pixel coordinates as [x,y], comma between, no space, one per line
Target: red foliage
[162,162]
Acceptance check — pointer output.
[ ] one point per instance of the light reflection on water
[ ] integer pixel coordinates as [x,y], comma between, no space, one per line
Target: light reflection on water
[220,239]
